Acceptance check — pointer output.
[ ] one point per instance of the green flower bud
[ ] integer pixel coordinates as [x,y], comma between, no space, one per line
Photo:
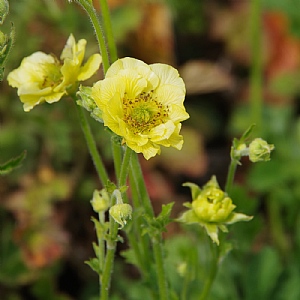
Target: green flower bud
[213,206]
[4,9]
[260,150]
[100,201]
[121,213]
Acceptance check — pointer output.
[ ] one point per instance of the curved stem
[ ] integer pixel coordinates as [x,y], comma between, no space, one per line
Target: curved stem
[112,49]
[90,10]
[92,146]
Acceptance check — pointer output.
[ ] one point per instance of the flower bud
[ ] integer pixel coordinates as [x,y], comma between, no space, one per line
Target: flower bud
[260,150]
[121,213]
[213,206]
[100,201]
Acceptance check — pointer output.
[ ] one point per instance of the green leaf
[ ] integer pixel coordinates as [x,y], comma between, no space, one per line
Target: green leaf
[94,264]
[12,164]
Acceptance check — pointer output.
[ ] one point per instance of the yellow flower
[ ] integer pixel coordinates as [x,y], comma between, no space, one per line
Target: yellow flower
[143,104]
[43,77]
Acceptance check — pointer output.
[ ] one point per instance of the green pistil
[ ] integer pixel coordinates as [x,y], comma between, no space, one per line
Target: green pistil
[144,113]
[52,75]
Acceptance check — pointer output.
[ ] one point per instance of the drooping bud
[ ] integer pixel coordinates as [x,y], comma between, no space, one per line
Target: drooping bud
[260,150]
[121,213]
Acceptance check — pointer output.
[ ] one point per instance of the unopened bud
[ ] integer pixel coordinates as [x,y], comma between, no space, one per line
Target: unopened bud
[100,201]
[260,150]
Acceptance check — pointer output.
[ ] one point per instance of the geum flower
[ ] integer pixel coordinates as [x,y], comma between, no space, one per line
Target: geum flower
[211,208]
[43,77]
[143,104]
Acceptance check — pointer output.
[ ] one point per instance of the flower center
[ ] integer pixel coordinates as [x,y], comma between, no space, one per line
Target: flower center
[51,74]
[144,112]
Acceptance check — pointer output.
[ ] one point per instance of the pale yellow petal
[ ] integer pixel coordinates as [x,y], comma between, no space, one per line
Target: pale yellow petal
[168,75]
[169,94]
[90,67]
[124,63]
[106,89]
[134,84]
[177,113]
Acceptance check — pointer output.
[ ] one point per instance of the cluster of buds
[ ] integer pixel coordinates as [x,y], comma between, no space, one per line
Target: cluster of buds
[6,40]
[211,208]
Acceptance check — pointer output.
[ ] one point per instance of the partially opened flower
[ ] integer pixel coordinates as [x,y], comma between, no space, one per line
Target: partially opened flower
[43,77]
[211,208]
[143,104]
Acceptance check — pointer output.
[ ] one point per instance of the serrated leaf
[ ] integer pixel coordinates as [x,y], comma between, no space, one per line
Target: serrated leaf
[12,163]
[94,264]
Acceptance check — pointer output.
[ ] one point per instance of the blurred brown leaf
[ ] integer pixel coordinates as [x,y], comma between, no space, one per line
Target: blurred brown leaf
[202,77]
[153,40]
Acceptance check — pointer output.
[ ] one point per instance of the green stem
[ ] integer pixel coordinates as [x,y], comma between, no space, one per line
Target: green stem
[212,274]
[230,176]
[111,244]
[256,70]
[138,180]
[139,183]
[112,49]
[160,271]
[117,156]
[125,166]
[90,10]
[101,245]
[92,146]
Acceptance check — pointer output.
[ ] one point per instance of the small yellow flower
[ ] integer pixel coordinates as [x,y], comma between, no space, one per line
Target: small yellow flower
[143,104]
[43,77]
[211,208]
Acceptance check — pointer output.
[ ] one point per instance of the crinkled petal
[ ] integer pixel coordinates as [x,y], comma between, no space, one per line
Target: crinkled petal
[30,70]
[90,67]
[162,131]
[124,63]
[168,75]
[134,83]
[169,94]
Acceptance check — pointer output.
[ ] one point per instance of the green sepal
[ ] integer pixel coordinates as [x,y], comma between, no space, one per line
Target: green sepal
[195,189]
[88,103]
[12,164]
[94,265]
